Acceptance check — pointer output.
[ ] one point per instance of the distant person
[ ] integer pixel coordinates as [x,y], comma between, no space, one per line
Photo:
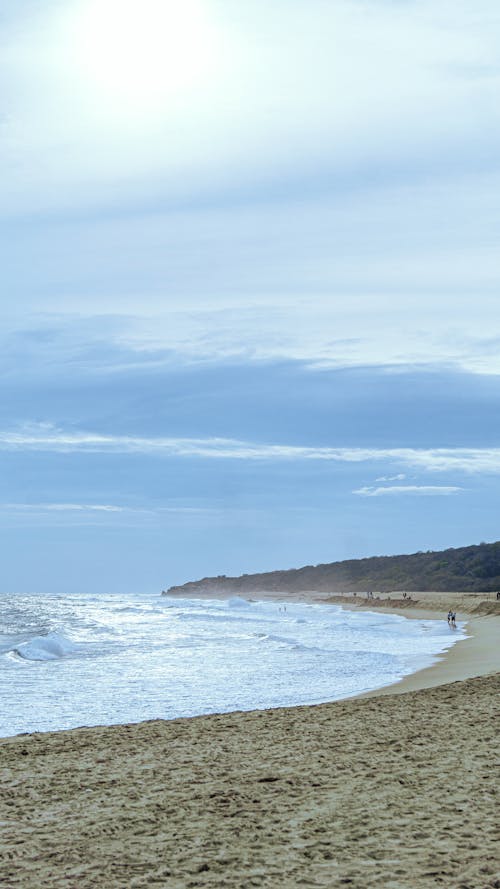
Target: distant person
[453,619]
[498,596]
[449,616]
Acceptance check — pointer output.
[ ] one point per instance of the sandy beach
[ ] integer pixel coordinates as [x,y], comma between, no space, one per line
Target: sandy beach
[395,789]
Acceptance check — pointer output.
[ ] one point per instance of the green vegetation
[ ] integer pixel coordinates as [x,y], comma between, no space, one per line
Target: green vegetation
[468,569]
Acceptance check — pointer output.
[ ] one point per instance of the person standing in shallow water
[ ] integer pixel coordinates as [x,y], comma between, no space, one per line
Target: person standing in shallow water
[449,617]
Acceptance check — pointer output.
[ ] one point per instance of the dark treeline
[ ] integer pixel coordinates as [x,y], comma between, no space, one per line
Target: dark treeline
[467,569]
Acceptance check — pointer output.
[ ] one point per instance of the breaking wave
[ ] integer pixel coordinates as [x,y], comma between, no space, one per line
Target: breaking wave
[46,648]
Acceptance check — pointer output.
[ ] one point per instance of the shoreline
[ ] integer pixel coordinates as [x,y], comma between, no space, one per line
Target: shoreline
[384,789]
[476,655]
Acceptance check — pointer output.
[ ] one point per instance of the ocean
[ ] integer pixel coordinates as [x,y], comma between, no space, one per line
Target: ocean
[74,660]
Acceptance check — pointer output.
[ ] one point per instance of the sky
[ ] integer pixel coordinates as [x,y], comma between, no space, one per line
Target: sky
[250,301]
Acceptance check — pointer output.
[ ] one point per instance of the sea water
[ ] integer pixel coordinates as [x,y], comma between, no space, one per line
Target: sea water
[76,660]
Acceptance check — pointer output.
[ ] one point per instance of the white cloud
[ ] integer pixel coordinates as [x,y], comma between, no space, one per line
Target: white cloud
[99,508]
[344,81]
[359,277]
[48,438]
[419,490]
[391,478]
[330,330]
[97,515]
[60,507]
[338,329]
[328,195]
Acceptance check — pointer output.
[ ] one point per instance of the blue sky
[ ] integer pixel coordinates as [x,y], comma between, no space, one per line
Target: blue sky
[250,271]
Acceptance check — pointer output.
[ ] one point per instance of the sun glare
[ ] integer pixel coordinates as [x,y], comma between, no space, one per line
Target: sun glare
[142,52]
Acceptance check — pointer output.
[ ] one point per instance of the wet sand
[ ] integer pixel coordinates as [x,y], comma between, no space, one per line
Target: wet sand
[390,790]
[477,655]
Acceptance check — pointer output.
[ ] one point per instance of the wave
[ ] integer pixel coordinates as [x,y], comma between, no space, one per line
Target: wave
[238,602]
[46,648]
[279,640]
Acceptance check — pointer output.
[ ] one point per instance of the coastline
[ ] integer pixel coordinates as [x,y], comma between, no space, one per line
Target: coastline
[477,655]
[382,790]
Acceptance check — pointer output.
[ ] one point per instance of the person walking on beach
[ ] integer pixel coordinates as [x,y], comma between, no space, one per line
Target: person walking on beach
[449,617]
[453,619]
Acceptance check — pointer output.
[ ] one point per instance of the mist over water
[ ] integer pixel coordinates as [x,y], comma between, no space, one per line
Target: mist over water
[69,661]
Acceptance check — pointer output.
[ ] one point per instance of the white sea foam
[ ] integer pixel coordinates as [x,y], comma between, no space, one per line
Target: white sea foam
[87,660]
[46,648]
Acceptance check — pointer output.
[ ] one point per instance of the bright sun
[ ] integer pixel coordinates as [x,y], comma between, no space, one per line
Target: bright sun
[142,53]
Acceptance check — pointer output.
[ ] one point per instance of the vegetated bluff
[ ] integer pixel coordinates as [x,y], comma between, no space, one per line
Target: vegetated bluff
[467,569]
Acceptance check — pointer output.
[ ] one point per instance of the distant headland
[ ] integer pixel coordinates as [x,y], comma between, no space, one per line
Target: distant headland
[471,569]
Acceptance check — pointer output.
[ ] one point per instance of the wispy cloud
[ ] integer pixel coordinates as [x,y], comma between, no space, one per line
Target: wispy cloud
[418,490]
[391,478]
[102,514]
[60,507]
[46,437]
[372,328]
